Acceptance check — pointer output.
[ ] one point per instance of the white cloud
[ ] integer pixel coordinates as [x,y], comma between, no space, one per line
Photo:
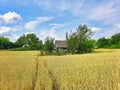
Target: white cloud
[29,33]
[6,29]
[32,24]
[74,7]
[94,29]
[110,32]
[117,26]
[9,32]
[13,37]
[105,10]
[55,25]
[52,32]
[48,33]
[108,12]
[10,18]
[106,32]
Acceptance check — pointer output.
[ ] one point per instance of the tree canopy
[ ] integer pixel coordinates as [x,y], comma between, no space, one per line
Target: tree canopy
[113,42]
[102,43]
[5,43]
[29,41]
[80,41]
[49,45]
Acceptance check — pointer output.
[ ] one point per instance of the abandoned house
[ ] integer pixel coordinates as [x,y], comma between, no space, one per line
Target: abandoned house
[59,44]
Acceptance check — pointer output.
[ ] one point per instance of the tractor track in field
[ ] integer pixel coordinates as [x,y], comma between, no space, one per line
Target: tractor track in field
[34,79]
[50,73]
[52,77]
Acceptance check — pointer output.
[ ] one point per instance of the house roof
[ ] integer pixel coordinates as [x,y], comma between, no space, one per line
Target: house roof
[60,44]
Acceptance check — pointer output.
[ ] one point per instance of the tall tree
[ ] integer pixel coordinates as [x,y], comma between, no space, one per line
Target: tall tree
[49,45]
[79,41]
[33,41]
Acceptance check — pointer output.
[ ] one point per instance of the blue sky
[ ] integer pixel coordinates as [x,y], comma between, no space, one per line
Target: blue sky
[54,18]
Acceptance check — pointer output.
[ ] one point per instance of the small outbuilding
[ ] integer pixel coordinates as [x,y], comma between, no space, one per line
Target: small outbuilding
[61,44]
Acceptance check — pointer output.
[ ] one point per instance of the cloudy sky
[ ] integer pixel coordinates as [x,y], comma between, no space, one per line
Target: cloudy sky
[54,18]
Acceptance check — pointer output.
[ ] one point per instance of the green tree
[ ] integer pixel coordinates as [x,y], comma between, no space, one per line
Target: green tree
[5,43]
[21,41]
[115,41]
[89,45]
[103,43]
[33,41]
[79,41]
[115,38]
[49,45]
[29,41]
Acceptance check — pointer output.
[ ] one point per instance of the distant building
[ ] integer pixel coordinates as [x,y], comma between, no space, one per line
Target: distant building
[60,44]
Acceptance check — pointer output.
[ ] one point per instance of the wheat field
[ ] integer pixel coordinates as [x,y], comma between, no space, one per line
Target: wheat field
[25,70]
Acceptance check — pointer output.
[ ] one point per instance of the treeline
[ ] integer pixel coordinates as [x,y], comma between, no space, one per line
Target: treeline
[5,43]
[27,42]
[113,42]
[78,42]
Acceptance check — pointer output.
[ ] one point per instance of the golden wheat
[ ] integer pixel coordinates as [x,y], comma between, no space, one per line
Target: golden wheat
[96,71]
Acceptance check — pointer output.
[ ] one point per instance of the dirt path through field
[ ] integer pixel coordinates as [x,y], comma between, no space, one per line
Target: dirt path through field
[50,74]
[35,76]
[52,77]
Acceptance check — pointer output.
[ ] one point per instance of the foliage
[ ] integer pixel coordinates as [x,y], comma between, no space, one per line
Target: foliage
[116,45]
[113,42]
[5,43]
[30,42]
[115,39]
[102,42]
[79,41]
[49,45]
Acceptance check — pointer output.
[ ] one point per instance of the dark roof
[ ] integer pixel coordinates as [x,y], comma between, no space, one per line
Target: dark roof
[60,44]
